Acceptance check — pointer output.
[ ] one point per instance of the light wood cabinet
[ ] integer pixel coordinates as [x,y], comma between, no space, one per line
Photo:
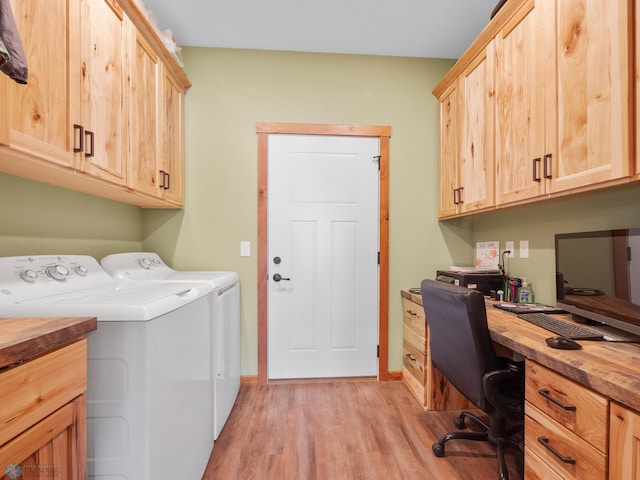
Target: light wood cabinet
[466,139]
[566,426]
[624,458]
[87,111]
[425,382]
[156,111]
[43,416]
[561,87]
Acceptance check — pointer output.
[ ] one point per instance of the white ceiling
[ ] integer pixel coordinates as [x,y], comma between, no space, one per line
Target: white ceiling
[411,28]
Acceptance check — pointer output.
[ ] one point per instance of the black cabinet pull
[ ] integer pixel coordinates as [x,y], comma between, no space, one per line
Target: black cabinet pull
[411,357]
[545,442]
[460,195]
[455,196]
[78,134]
[90,153]
[412,313]
[548,171]
[536,169]
[166,184]
[545,394]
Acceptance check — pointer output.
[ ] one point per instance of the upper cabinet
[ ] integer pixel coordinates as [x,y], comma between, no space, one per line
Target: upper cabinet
[561,87]
[94,112]
[466,138]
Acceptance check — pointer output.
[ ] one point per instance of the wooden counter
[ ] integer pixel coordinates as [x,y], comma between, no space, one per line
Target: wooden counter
[25,338]
[612,369]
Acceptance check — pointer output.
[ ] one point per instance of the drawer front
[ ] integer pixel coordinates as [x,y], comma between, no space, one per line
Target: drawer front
[413,317]
[562,450]
[574,406]
[536,469]
[413,360]
[30,392]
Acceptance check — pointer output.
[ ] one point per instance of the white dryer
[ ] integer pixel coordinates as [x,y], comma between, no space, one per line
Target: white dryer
[148,266]
[149,392]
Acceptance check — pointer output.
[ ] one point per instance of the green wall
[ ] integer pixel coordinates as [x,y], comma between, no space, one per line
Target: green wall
[539,223]
[36,218]
[232,91]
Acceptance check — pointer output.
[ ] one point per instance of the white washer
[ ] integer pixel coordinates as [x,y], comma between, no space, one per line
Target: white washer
[149,393]
[148,266]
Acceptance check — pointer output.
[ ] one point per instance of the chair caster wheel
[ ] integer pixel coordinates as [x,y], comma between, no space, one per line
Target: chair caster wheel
[459,423]
[438,449]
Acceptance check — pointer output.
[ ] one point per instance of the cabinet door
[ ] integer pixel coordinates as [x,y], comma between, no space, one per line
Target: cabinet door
[55,447]
[624,457]
[143,117]
[520,103]
[477,153]
[104,45]
[39,116]
[171,139]
[593,109]
[450,139]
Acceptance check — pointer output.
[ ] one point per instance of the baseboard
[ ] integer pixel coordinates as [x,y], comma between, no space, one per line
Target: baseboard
[253,379]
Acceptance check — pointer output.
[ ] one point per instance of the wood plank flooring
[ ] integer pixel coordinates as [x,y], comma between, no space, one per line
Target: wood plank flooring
[364,430]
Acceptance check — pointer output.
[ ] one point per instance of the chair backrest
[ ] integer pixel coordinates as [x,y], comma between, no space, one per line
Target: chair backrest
[460,343]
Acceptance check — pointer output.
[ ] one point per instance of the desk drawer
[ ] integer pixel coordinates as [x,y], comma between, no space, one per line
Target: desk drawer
[413,317]
[574,406]
[536,469]
[561,449]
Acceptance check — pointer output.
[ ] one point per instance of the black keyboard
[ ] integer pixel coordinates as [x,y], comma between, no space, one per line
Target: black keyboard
[561,327]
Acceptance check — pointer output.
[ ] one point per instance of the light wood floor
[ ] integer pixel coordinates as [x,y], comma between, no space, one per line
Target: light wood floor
[363,430]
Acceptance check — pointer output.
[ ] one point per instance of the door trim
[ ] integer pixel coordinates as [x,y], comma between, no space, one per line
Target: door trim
[383,133]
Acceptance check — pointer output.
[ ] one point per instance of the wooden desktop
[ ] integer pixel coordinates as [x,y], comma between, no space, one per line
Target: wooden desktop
[581,410]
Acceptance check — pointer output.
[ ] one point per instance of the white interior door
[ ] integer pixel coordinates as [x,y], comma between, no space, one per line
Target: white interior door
[323,244]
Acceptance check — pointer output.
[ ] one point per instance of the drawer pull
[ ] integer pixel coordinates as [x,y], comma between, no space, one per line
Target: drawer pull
[545,443]
[411,357]
[545,394]
[412,313]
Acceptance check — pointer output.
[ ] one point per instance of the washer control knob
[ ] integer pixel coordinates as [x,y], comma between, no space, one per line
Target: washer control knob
[28,276]
[57,272]
[81,270]
[145,263]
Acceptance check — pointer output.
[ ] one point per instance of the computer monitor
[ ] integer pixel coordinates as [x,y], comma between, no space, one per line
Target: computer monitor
[598,276]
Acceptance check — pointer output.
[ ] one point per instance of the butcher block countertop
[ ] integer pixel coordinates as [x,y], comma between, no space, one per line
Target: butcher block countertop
[22,339]
[609,368]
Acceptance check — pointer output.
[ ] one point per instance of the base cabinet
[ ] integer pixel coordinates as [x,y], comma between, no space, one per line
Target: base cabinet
[43,416]
[624,457]
[425,382]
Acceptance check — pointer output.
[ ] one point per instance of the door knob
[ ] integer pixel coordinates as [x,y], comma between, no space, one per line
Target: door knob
[277,277]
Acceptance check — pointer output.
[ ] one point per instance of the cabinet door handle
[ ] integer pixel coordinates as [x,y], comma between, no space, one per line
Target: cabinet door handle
[411,357]
[78,134]
[412,313]
[455,196]
[460,195]
[89,134]
[545,443]
[166,184]
[548,171]
[536,169]
[545,394]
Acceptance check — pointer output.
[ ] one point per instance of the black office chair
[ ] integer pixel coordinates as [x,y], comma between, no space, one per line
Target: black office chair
[461,348]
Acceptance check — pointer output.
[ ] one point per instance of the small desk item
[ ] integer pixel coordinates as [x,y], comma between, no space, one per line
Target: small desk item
[527,308]
[563,343]
[561,327]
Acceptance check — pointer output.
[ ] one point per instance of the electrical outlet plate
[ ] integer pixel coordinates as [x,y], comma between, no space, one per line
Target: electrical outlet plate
[524,248]
[510,245]
[245,249]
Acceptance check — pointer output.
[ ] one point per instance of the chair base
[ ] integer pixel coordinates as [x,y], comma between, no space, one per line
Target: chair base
[494,433]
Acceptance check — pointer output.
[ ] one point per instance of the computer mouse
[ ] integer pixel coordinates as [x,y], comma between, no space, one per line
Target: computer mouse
[563,343]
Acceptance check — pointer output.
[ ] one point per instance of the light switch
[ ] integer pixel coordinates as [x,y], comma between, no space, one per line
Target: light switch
[524,248]
[245,249]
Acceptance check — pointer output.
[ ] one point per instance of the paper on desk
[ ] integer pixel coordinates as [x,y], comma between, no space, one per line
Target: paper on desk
[487,256]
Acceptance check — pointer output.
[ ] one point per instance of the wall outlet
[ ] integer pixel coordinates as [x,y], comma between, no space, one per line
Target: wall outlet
[511,246]
[524,248]
[245,249]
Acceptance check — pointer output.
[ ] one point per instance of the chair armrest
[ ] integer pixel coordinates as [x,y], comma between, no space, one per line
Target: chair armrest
[504,389]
